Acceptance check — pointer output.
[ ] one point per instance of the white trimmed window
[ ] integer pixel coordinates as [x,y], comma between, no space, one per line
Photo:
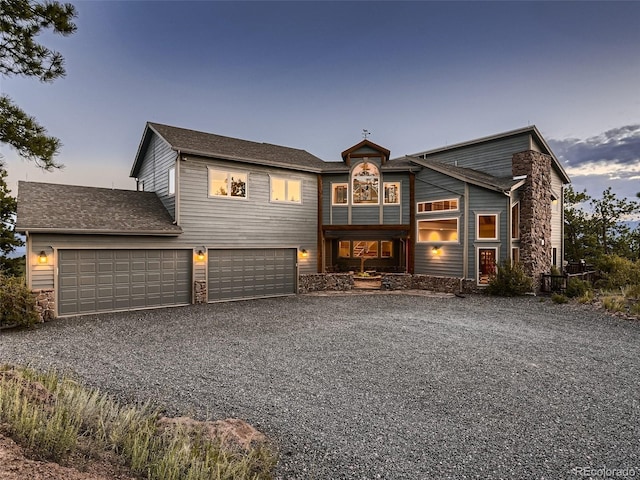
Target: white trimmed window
[339,193]
[449,204]
[171,181]
[515,255]
[391,193]
[227,184]
[515,221]
[440,230]
[286,190]
[365,184]
[487,226]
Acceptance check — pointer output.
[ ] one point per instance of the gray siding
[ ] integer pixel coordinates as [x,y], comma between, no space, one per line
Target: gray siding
[254,222]
[487,201]
[429,186]
[493,157]
[365,214]
[154,171]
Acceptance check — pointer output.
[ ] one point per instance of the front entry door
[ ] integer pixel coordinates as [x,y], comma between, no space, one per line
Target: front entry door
[487,267]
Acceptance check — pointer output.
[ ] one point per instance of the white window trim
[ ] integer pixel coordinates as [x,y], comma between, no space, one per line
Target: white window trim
[286,187]
[228,173]
[438,242]
[384,184]
[497,256]
[511,226]
[171,181]
[432,212]
[486,214]
[339,184]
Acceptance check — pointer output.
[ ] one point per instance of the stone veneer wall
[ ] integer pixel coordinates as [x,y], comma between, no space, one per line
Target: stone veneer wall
[535,213]
[45,304]
[319,282]
[200,291]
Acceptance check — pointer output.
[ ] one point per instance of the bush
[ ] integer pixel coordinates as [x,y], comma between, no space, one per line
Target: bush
[558,298]
[617,272]
[509,281]
[17,305]
[577,288]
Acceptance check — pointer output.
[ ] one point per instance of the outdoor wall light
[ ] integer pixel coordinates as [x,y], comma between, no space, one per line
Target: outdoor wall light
[200,255]
[42,258]
[435,250]
[304,253]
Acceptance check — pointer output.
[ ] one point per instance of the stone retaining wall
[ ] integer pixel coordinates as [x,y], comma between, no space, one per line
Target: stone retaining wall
[318,282]
[45,304]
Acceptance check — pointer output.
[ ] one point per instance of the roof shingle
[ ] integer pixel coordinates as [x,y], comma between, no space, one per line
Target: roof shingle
[48,207]
[218,146]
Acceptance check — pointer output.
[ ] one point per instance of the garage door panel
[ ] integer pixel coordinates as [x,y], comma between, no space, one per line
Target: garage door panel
[235,274]
[103,280]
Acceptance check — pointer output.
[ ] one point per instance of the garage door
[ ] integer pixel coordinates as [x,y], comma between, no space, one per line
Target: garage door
[236,274]
[105,280]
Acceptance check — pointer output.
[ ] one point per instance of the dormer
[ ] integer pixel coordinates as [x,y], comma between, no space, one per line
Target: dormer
[368,150]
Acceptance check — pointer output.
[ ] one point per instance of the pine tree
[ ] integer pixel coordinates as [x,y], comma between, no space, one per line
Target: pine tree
[8,238]
[21,21]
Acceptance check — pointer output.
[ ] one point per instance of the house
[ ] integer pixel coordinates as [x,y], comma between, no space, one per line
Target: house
[216,218]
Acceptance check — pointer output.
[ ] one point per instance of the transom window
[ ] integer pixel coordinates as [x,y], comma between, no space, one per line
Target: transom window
[438,205]
[391,193]
[365,184]
[286,190]
[227,184]
[339,194]
[487,226]
[441,230]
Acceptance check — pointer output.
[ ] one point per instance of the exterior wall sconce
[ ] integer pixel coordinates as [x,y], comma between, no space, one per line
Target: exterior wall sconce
[200,255]
[304,253]
[436,250]
[42,258]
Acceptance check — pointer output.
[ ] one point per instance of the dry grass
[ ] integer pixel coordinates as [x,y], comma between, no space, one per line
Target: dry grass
[48,414]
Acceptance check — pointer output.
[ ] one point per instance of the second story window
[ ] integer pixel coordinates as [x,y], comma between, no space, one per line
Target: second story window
[391,193]
[365,181]
[438,206]
[339,193]
[227,184]
[286,190]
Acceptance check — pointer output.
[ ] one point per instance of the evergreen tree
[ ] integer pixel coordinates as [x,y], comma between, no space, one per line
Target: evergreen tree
[8,238]
[21,21]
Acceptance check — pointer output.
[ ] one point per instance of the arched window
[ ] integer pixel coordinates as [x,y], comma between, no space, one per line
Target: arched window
[365,182]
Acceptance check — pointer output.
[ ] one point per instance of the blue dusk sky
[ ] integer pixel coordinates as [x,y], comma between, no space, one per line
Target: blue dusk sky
[313,75]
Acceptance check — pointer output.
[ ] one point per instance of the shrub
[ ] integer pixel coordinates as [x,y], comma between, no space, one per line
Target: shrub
[509,281]
[631,291]
[17,305]
[558,298]
[614,303]
[577,287]
[617,272]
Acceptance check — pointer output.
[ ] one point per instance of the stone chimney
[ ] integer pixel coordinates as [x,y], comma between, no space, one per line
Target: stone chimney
[535,213]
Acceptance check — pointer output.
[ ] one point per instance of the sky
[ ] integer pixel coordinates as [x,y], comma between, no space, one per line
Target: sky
[314,75]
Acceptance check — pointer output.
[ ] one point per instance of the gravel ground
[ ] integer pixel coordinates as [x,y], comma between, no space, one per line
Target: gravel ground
[378,386]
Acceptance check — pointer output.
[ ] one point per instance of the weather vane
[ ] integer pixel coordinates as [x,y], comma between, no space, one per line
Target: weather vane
[365,133]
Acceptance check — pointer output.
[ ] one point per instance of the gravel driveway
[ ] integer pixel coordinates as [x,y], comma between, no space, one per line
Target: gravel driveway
[393,386]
